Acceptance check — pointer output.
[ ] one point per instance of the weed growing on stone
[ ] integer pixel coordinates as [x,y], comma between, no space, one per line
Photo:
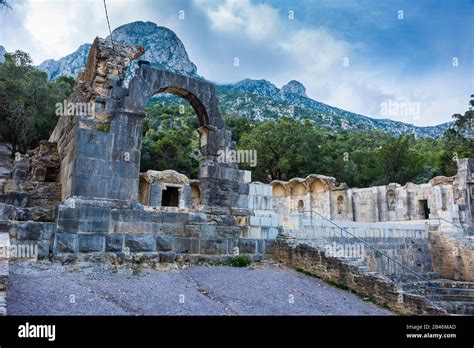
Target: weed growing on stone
[240,261]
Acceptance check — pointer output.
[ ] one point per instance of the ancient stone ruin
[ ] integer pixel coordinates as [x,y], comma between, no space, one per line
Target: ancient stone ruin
[82,192]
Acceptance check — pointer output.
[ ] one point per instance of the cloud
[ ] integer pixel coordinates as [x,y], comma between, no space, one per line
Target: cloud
[310,48]
[257,21]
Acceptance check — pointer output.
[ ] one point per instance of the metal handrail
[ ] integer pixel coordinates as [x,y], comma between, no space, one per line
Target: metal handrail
[373,247]
[451,223]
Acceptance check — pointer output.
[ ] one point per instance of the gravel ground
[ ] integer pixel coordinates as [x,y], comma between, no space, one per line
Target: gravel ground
[266,289]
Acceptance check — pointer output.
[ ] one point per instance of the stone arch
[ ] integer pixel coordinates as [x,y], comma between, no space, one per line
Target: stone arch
[297,188]
[318,186]
[149,81]
[278,190]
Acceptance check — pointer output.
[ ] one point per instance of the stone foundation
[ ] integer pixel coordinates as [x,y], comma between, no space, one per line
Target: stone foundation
[86,225]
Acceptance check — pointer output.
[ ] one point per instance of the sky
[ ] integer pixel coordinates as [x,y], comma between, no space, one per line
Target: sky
[406,60]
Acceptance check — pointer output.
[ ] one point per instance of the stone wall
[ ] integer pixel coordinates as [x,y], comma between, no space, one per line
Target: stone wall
[33,184]
[90,153]
[37,237]
[319,197]
[383,291]
[86,225]
[451,258]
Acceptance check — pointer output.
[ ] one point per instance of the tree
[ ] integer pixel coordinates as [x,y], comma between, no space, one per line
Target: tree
[27,102]
[170,140]
[286,148]
[459,140]
[398,161]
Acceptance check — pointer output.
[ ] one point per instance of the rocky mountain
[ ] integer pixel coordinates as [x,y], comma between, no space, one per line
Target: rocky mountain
[2,52]
[162,48]
[68,65]
[294,87]
[255,99]
[260,99]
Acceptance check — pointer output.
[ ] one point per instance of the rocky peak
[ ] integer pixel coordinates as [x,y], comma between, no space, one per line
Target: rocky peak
[294,87]
[260,87]
[163,49]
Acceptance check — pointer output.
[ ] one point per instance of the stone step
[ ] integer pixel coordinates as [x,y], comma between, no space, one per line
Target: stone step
[451,297]
[406,278]
[456,307]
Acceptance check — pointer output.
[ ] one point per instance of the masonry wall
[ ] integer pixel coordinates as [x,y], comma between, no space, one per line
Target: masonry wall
[318,197]
[120,226]
[450,257]
[408,245]
[307,258]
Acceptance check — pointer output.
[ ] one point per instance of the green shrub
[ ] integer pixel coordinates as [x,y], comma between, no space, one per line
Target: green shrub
[240,261]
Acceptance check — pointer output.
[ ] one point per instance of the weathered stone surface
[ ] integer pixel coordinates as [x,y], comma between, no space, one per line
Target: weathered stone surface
[247,246]
[167,257]
[312,260]
[91,242]
[113,242]
[164,243]
[65,243]
[30,231]
[213,246]
[140,243]
[186,245]
[450,258]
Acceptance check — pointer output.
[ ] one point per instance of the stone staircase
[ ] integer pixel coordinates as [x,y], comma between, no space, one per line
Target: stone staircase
[455,297]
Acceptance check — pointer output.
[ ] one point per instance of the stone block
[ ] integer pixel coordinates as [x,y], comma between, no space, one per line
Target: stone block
[171,229]
[164,243]
[268,246]
[113,242]
[44,247]
[191,231]
[197,218]
[213,246]
[208,231]
[247,246]
[167,257]
[175,217]
[255,221]
[186,245]
[30,231]
[228,231]
[255,232]
[49,228]
[138,243]
[90,242]
[65,243]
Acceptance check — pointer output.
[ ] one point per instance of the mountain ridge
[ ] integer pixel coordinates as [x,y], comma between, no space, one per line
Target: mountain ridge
[262,99]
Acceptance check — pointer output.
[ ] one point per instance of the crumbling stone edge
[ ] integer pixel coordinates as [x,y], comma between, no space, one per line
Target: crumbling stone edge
[381,290]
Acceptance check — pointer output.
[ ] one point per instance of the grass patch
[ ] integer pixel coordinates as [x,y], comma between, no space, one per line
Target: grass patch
[104,127]
[240,261]
[137,266]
